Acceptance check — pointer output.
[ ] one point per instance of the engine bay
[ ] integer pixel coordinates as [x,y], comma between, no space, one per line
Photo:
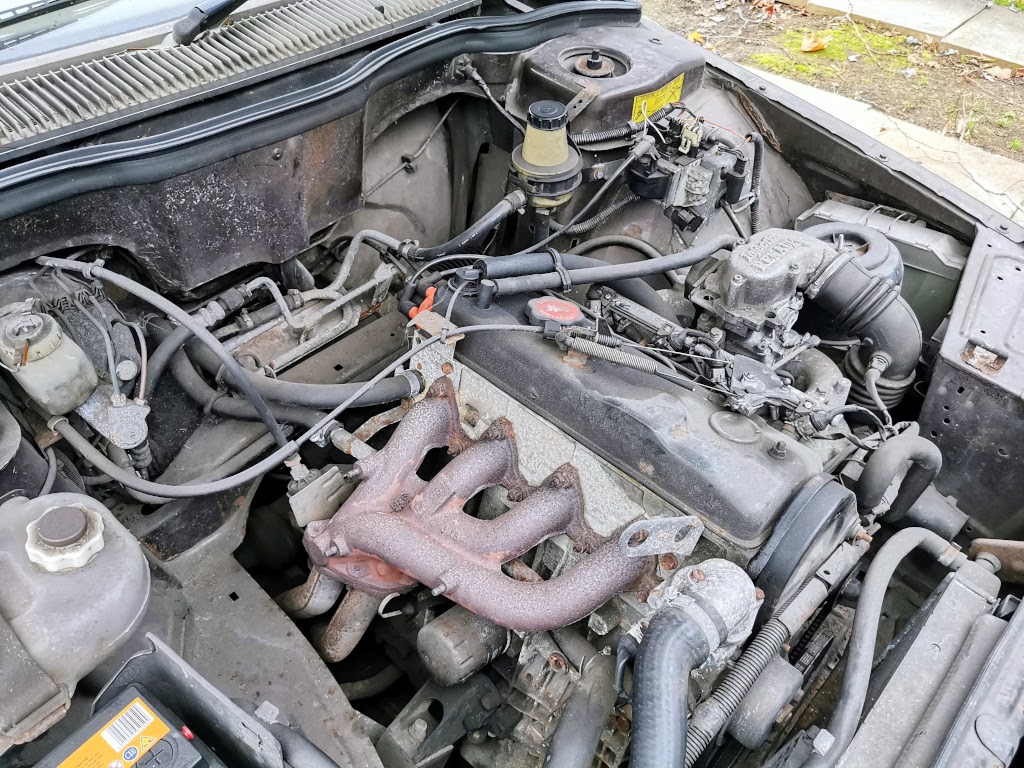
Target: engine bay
[574,405]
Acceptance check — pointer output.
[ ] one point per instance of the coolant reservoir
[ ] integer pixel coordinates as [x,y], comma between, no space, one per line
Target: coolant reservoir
[75,585]
[51,368]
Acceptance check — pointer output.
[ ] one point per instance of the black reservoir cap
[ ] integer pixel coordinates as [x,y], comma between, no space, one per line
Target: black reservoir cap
[547,115]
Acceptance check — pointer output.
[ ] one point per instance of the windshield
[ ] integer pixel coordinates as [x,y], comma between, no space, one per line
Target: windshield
[35,29]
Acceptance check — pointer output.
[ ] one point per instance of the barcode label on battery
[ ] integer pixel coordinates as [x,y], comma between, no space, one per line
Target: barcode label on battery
[126,726]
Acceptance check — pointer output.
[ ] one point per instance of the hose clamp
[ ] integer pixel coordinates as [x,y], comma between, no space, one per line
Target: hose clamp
[826,274]
[560,270]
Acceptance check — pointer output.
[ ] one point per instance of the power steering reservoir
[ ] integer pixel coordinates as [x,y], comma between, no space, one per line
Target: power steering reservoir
[545,166]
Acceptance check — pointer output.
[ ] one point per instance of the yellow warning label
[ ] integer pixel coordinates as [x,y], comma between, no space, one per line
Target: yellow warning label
[122,741]
[647,104]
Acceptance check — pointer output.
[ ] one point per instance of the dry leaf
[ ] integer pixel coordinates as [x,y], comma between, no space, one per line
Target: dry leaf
[696,37]
[814,43]
[1000,73]
[1018,72]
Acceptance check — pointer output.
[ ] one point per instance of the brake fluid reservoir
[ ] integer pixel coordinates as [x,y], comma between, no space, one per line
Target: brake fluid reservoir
[51,368]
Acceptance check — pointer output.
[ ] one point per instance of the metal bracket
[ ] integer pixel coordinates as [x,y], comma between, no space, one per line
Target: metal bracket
[320,499]
[678,535]
[589,91]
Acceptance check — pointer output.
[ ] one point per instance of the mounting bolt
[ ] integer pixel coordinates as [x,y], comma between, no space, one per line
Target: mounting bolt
[778,451]
[439,590]
[668,562]
[418,729]
[558,662]
[759,594]
[447,368]
[697,576]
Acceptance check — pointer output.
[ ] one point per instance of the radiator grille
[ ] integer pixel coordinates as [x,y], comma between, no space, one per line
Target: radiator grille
[77,96]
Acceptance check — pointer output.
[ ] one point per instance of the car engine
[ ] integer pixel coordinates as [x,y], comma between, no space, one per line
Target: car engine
[566,401]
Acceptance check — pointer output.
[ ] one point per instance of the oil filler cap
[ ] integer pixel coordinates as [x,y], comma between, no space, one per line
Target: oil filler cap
[546,309]
[547,115]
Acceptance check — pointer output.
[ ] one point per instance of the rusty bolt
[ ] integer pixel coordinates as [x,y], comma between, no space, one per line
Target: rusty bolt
[759,594]
[642,595]
[558,662]
[447,368]
[472,416]
[862,535]
[668,562]
[697,576]
[620,724]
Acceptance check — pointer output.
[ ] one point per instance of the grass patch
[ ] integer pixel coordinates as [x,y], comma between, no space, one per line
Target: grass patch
[1017,5]
[844,41]
[1016,145]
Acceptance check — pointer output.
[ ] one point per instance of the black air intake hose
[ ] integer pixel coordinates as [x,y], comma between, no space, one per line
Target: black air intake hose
[672,647]
[863,297]
[869,307]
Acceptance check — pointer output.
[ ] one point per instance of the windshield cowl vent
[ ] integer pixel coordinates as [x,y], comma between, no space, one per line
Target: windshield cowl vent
[85,98]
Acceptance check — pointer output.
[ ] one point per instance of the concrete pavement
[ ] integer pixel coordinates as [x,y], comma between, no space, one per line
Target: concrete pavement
[995,180]
[972,26]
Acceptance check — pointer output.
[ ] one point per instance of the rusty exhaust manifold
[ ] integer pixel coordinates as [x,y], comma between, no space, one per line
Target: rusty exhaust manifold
[396,529]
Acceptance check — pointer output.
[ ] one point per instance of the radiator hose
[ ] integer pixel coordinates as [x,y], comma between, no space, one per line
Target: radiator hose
[671,649]
[709,605]
[886,463]
[861,651]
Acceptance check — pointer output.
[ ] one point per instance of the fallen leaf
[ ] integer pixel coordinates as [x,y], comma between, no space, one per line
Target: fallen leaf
[814,43]
[1018,72]
[696,37]
[1000,73]
[855,57]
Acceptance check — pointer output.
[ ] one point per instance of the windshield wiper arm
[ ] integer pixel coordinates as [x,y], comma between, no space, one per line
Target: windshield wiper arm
[32,9]
[204,16]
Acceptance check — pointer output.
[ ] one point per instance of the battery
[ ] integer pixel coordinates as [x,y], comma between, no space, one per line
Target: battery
[132,731]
